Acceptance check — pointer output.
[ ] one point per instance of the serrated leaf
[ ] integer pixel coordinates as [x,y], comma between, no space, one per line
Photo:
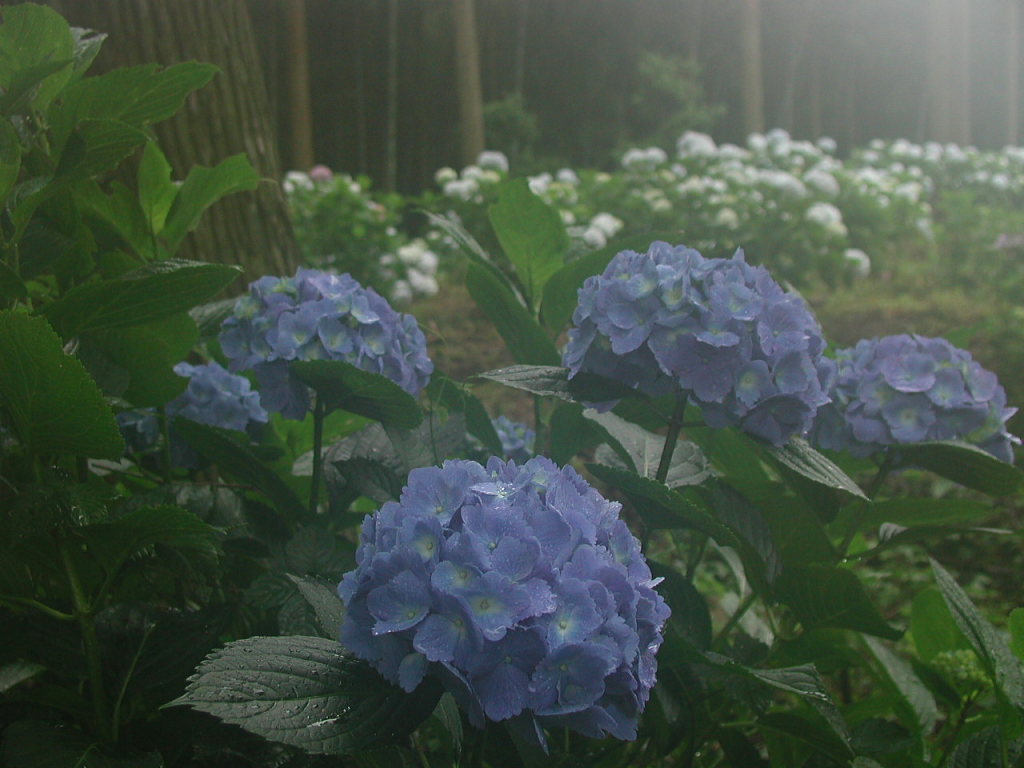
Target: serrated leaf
[142,296]
[343,385]
[562,289]
[932,625]
[33,37]
[983,749]
[455,397]
[690,614]
[798,456]
[915,695]
[323,599]
[16,672]
[12,287]
[305,692]
[202,188]
[963,463]
[554,381]
[87,44]
[372,479]
[115,542]
[912,513]
[986,641]
[524,336]
[748,523]
[223,448]
[828,596]
[156,190]
[97,145]
[531,234]
[429,443]
[689,465]
[820,739]
[55,407]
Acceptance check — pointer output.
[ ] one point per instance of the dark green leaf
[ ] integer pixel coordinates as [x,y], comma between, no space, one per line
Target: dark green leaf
[917,698]
[11,286]
[747,521]
[156,190]
[150,293]
[306,692]
[34,36]
[932,626]
[10,159]
[569,433]
[912,513]
[18,672]
[690,614]
[87,45]
[983,749]
[97,145]
[561,290]
[430,443]
[526,340]
[323,599]
[54,405]
[963,463]
[821,739]
[114,542]
[827,596]
[798,456]
[202,188]
[456,397]
[343,385]
[225,449]
[799,536]
[450,717]
[370,478]
[38,744]
[986,641]
[532,235]
[554,381]
[1016,625]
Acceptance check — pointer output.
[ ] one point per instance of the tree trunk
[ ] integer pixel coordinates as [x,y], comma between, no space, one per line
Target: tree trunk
[949,71]
[752,83]
[391,129]
[228,116]
[467,73]
[300,110]
[1012,71]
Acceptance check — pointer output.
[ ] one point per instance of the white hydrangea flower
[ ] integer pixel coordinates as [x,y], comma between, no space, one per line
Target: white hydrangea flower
[443,175]
[607,223]
[858,261]
[493,160]
[401,291]
[648,159]
[827,145]
[821,180]
[910,191]
[463,189]
[727,218]
[695,144]
[568,217]
[472,173]
[594,237]
[828,217]
[785,182]
[425,285]
[539,184]
[296,180]
[567,176]
[757,142]
[731,152]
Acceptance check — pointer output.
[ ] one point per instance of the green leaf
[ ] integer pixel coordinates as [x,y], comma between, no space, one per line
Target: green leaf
[689,464]
[1016,625]
[827,596]
[532,235]
[16,672]
[202,188]
[54,405]
[562,289]
[798,456]
[156,190]
[10,159]
[372,479]
[962,463]
[305,692]
[11,286]
[115,542]
[142,296]
[822,740]
[97,145]
[343,385]
[525,338]
[225,449]
[916,697]
[119,210]
[34,37]
[690,614]
[983,749]
[913,513]
[932,626]
[323,599]
[87,45]
[991,647]
[554,381]
[48,745]
[456,397]
[429,443]
[747,521]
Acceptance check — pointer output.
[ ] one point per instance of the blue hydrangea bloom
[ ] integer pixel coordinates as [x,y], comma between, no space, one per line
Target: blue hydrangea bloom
[909,389]
[320,316]
[213,396]
[517,586]
[747,352]
[516,438]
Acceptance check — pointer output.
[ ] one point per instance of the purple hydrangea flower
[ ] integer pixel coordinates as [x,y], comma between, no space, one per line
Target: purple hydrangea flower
[518,586]
[320,316]
[516,438]
[747,352]
[909,389]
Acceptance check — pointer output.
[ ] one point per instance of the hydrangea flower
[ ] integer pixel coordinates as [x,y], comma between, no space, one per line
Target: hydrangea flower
[213,396]
[723,331]
[516,438]
[909,389]
[320,316]
[518,586]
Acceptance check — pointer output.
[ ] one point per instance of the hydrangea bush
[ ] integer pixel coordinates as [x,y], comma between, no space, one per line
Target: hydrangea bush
[320,316]
[518,586]
[720,330]
[909,389]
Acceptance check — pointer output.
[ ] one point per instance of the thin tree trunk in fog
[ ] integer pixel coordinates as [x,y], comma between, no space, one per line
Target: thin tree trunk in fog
[300,111]
[467,77]
[1012,71]
[694,21]
[360,89]
[949,71]
[391,133]
[752,86]
[795,65]
[519,70]
[229,115]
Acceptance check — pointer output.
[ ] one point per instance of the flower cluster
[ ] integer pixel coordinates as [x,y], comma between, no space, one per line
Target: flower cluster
[516,438]
[315,316]
[518,586]
[908,389]
[719,329]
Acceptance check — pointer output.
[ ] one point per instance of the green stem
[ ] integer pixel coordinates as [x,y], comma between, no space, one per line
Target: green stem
[698,545]
[539,436]
[870,491]
[53,613]
[85,613]
[319,413]
[738,614]
[675,424]
[165,452]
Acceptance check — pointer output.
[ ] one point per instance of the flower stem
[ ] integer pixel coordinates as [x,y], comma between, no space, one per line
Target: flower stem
[738,614]
[539,437]
[675,424]
[319,413]
[85,612]
[870,491]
